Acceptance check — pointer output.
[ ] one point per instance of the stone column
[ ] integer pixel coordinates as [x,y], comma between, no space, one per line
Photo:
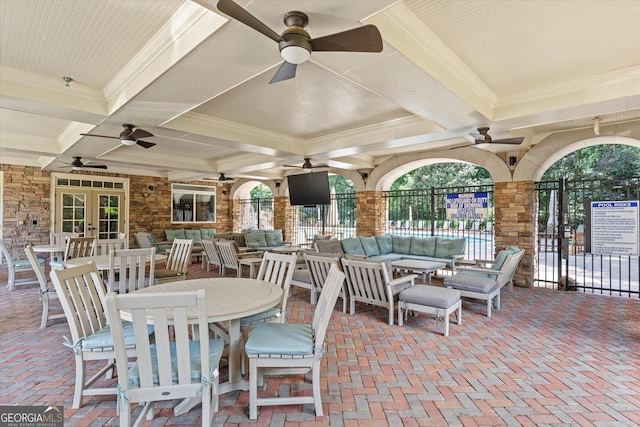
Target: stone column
[515,224]
[371,211]
[284,216]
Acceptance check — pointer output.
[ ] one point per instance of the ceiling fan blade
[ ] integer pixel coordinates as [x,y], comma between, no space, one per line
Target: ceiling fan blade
[95,166]
[99,136]
[140,133]
[145,144]
[238,13]
[286,71]
[360,39]
[516,140]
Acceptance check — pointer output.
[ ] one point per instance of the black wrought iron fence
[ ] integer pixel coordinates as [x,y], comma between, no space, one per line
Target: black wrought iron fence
[256,213]
[565,256]
[424,213]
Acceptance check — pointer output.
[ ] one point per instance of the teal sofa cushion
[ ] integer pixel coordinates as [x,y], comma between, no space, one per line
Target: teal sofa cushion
[446,248]
[274,238]
[196,235]
[207,233]
[255,239]
[423,246]
[352,245]
[401,244]
[502,256]
[370,245]
[175,234]
[385,244]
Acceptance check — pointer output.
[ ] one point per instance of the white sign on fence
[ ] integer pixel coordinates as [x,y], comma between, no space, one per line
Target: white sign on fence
[615,228]
[468,206]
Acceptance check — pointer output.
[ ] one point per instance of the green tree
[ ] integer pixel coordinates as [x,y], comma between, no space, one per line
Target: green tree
[443,175]
[596,162]
[261,191]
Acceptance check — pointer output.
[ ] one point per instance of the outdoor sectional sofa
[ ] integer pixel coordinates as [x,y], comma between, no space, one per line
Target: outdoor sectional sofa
[389,247]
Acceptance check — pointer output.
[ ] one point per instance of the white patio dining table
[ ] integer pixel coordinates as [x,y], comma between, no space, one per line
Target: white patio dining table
[229,299]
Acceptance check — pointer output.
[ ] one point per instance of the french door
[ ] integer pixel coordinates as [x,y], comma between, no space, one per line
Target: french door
[90,207]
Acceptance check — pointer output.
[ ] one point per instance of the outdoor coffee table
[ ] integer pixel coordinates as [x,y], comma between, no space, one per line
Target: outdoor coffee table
[418,267]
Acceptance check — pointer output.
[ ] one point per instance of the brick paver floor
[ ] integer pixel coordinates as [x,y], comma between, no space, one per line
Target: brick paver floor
[546,358]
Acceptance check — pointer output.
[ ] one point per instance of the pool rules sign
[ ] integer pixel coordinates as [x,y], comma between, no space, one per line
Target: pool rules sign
[614,228]
[468,206]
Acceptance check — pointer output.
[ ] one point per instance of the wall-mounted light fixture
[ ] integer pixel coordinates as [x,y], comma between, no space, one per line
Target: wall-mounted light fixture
[67,80]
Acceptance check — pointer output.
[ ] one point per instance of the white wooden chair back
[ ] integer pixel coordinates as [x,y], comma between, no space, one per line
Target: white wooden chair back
[15,266]
[60,238]
[211,253]
[164,366]
[133,275]
[367,281]
[82,294]
[47,292]
[228,254]
[509,269]
[180,255]
[371,283]
[326,303]
[278,269]
[78,247]
[319,267]
[104,246]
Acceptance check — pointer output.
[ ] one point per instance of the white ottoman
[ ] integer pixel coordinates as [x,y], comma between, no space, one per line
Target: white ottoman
[431,299]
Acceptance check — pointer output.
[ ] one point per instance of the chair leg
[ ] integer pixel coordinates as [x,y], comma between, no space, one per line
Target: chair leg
[80,376]
[45,310]
[12,279]
[317,397]
[253,390]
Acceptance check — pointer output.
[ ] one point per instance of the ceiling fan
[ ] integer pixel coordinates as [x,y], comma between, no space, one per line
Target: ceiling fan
[129,136]
[483,137]
[77,164]
[224,178]
[296,44]
[307,165]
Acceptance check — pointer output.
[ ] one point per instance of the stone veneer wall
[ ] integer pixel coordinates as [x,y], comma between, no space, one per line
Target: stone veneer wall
[27,198]
[370,213]
[515,222]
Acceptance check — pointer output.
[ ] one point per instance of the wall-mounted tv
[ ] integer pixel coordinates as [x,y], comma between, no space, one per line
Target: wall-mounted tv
[309,189]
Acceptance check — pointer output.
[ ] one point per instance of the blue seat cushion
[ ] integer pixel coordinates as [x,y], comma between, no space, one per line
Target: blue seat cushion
[430,296]
[267,314]
[280,338]
[474,282]
[102,338]
[215,352]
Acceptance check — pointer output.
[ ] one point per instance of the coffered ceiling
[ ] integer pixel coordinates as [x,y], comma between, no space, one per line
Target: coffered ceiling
[199,82]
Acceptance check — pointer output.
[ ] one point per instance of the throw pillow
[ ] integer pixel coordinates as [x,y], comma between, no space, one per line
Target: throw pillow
[385,244]
[352,245]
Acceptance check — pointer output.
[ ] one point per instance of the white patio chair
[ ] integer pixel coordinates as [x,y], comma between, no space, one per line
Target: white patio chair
[371,283]
[179,364]
[127,269]
[76,247]
[287,348]
[211,255]
[177,263]
[47,291]
[104,246]
[485,284]
[14,267]
[82,294]
[230,256]
[319,267]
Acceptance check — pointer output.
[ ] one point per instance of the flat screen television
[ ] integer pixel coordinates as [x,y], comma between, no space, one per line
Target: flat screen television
[309,189]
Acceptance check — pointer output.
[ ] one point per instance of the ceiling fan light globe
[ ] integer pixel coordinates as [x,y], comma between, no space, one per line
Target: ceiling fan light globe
[128,141]
[295,54]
